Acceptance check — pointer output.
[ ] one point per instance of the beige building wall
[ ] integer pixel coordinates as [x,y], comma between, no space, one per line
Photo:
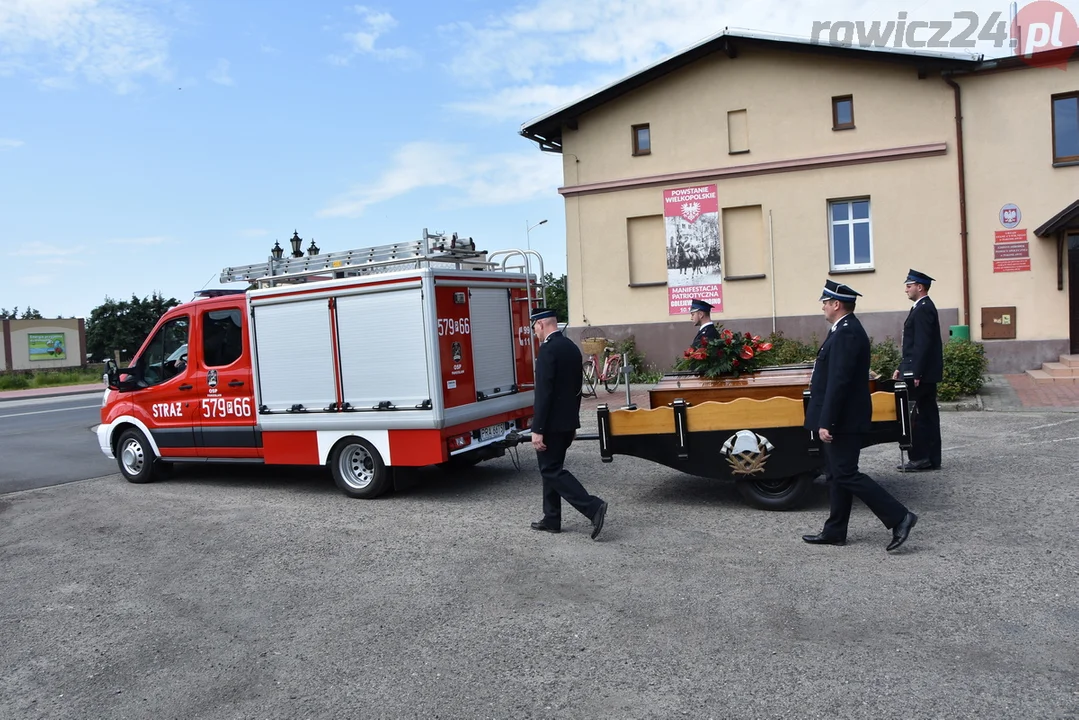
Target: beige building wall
[788,102]
[787,99]
[3,346]
[20,331]
[1009,159]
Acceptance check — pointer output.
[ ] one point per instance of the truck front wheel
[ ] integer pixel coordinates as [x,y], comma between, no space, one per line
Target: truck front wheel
[135,456]
[358,469]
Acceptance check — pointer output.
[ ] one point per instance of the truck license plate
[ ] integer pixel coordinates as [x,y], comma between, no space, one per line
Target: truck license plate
[492,432]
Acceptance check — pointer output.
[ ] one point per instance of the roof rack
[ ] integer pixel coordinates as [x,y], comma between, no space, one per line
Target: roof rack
[434,250]
[217,292]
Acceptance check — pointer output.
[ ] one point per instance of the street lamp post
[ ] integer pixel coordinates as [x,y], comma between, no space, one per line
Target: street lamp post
[528,230]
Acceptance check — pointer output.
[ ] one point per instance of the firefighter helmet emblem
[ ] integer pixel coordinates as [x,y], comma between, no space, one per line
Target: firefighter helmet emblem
[456,350]
[211,378]
[747,452]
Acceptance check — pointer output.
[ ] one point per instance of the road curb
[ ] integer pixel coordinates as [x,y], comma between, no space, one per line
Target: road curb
[12,395]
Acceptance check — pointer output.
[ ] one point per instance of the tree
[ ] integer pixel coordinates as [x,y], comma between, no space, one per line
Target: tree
[123,325]
[556,295]
[28,314]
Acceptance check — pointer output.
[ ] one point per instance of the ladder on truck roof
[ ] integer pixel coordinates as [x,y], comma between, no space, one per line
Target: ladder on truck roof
[434,250]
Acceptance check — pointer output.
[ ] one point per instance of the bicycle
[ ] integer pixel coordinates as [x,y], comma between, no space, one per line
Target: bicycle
[610,370]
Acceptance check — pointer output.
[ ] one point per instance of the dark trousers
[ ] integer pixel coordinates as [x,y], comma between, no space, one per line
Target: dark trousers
[925,443]
[846,482]
[560,484]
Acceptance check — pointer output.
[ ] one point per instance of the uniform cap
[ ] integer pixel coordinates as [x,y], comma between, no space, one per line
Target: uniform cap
[541,313]
[700,305]
[838,291]
[918,277]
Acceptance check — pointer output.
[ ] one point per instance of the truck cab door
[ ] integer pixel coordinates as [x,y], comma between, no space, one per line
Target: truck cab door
[164,398]
[226,391]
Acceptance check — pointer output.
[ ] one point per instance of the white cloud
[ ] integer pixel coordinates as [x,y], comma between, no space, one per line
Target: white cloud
[110,42]
[521,102]
[364,41]
[533,58]
[145,241]
[36,280]
[220,73]
[465,180]
[40,249]
[10,144]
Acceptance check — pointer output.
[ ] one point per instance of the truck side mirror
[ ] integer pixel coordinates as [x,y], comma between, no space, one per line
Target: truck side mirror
[121,381]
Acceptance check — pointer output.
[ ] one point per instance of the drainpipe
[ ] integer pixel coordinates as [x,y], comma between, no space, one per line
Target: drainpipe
[946,75]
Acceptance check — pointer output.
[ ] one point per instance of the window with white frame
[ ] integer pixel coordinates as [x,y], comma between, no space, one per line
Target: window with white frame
[850,234]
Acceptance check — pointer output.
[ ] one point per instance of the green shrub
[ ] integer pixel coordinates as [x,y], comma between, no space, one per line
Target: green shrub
[884,357]
[643,371]
[788,351]
[964,369]
[14,381]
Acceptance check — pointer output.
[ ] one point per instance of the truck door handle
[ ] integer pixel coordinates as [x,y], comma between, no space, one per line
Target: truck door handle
[236,383]
[185,386]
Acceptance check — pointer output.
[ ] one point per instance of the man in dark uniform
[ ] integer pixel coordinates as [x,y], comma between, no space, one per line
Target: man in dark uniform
[555,419]
[700,313]
[840,411]
[923,363]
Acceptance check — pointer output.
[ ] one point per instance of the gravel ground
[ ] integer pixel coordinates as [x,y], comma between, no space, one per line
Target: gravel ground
[264,593]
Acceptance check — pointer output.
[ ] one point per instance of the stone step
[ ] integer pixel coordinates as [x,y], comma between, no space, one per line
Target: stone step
[1060,370]
[1043,378]
[1072,360]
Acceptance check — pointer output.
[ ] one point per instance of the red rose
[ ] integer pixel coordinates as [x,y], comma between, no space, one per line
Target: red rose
[700,355]
[728,334]
[688,352]
[747,352]
[734,362]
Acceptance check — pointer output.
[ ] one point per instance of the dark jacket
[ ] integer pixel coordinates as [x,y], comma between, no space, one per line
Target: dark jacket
[558,386]
[923,351]
[839,391]
[708,331]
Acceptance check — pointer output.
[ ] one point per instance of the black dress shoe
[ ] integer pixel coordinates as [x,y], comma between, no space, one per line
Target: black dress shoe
[915,466]
[823,540]
[902,530]
[597,520]
[545,528]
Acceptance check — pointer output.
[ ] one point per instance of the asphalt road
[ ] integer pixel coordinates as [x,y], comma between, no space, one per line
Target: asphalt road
[47,441]
[264,593]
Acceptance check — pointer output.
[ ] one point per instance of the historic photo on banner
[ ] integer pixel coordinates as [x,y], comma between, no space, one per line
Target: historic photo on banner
[691,218]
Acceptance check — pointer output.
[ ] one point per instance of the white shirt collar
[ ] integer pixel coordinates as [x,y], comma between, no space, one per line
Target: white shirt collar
[705,324]
[836,323]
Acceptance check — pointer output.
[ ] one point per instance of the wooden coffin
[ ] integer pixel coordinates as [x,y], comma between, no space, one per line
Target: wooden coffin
[781,381]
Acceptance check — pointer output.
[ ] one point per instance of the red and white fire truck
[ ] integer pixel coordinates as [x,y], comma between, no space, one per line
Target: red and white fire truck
[400,355]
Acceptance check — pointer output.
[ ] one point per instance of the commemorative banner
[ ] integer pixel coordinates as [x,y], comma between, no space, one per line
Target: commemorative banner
[694,270]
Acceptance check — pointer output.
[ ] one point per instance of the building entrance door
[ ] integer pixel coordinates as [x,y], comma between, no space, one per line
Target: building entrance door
[1073,289]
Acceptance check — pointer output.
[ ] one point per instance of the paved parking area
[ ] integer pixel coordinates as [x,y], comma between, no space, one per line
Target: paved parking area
[264,593]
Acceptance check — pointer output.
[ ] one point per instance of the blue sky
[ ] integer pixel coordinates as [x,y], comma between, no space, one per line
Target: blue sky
[147,144]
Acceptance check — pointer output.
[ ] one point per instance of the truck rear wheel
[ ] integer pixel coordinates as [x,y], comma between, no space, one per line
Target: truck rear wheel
[358,469]
[780,494]
[135,456]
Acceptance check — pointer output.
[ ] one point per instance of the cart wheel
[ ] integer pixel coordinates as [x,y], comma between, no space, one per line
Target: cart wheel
[358,469]
[779,494]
